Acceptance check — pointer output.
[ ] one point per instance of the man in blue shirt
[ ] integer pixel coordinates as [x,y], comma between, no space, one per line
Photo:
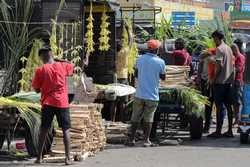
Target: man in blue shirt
[149,70]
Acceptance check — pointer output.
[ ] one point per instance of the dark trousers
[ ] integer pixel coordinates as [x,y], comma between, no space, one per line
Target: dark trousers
[223,97]
[207,90]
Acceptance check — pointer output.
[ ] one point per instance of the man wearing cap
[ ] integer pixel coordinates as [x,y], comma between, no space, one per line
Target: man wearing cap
[149,70]
[51,80]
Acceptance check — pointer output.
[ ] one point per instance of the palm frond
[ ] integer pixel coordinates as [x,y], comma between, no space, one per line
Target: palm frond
[16,38]
[29,112]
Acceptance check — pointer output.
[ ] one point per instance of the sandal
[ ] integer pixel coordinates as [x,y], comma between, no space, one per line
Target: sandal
[149,144]
[215,135]
[68,162]
[228,135]
[130,143]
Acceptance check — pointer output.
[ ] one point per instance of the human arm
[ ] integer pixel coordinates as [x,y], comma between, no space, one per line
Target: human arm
[219,62]
[136,68]
[69,68]
[162,70]
[61,60]
[136,73]
[130,35]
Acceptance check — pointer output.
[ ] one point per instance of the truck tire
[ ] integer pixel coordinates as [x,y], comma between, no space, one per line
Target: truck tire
[32,151]
[243,138]
[196,127]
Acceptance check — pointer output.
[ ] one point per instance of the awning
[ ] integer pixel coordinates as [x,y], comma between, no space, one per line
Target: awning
[240,24]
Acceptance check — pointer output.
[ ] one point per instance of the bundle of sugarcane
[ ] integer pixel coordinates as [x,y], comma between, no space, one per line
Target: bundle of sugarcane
[116,132]
[176,75]
[87,130]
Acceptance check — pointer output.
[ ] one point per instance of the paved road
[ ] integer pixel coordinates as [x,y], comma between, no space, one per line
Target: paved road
[204,153]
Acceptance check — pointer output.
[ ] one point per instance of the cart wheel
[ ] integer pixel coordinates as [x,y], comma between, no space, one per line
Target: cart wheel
[32,150]
[196,127]
[2,138]
[243,138]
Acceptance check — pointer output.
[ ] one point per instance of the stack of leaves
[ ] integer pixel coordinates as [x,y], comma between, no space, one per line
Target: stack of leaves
[176,75]
[192,99]
[104,33]
[89,34]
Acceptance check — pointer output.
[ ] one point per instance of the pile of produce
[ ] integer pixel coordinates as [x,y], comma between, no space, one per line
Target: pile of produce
[87,131]
[190,98]
[176,75]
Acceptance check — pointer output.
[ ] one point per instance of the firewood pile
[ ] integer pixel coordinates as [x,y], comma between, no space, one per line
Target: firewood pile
[87,130]
[117,132]
[176,75]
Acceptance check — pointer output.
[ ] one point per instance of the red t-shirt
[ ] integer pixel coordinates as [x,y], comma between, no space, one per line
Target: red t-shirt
[240,65]
[52,82]
[181,57]
[211,65]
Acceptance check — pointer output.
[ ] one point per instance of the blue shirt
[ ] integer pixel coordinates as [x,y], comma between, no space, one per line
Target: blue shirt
[149,68]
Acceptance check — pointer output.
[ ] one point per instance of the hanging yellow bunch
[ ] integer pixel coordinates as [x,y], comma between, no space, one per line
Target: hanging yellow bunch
[124,37]
[132,58]
[104,33]
[32,63]
[133,50]
[23,71]
[57,50]
[89,34]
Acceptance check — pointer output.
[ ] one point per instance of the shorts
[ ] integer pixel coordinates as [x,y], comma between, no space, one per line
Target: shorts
[238,93]
[223,94]
[62,116]
[143,109]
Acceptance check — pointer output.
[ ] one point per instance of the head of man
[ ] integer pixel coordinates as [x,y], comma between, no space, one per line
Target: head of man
[179,44]
[239,43]
[235,50]
[45,54]
[153,46]
[218,37]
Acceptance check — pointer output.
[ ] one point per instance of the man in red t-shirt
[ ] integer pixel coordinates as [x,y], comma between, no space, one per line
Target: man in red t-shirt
[180,56]
[238,83]
[50,80]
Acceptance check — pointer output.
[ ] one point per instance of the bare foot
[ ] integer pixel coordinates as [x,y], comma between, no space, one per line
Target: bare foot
[38,161]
